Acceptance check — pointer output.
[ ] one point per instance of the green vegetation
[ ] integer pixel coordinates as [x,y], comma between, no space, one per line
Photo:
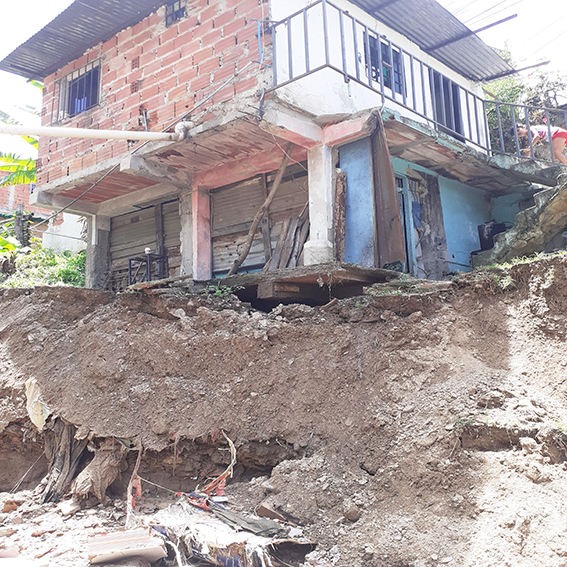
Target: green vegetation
[19,170]
[222,291]
[536,257]
[543,90]
[41,266]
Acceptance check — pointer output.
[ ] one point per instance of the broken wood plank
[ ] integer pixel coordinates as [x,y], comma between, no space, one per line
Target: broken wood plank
[262,211]
[340,216]
[275,259]
[122,545]
[158,283]
[289,241]
[300,240]
[269,289]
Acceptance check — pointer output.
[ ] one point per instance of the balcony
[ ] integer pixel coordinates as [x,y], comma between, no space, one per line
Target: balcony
[316,44]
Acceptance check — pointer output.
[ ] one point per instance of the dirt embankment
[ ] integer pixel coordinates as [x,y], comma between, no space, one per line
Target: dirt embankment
[398,430]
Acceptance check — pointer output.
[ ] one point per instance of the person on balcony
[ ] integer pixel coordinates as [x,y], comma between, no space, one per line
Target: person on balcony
[540,133]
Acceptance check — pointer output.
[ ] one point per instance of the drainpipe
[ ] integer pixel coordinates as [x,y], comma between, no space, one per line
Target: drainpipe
[55,132]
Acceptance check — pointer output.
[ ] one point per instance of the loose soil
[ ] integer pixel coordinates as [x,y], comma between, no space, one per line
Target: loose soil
[396,429]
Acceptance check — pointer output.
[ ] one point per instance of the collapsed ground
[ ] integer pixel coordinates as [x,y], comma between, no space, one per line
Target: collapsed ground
[397,429]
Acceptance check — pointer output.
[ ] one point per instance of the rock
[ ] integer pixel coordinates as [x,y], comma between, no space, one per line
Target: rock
[351,511]
[536,474]
[9,506]
[8,553]
[68,507]
[490,400]
[529,445]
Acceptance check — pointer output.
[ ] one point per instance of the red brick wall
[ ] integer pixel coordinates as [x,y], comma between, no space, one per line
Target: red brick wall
[164,71]
[11,197]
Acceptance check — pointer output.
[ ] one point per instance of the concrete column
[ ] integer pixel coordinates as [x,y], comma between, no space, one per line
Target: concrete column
[202,253]
[186,236]
[97,268]
[319,248]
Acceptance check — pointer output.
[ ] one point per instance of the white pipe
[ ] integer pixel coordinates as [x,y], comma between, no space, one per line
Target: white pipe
[55,132]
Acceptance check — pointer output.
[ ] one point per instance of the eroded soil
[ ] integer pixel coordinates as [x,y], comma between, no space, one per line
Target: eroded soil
[413,429]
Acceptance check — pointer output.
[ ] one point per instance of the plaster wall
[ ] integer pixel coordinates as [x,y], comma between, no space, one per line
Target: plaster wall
[65,235]
[504,209]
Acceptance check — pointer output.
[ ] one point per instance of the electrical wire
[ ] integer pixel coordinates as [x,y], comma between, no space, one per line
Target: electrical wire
[493,14]
[549,42]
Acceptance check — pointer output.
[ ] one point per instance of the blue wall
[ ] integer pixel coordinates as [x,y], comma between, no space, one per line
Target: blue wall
[505,208]
[356,161]
[464,208]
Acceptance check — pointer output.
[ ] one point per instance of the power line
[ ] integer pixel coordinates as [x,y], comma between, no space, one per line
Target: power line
[491,16]
[549,42]
[485,11]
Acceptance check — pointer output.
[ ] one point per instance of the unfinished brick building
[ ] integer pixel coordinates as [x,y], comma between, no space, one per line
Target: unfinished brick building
[190,106]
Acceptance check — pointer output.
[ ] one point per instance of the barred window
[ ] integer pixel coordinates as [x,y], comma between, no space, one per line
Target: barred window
[79,91]
[174,11]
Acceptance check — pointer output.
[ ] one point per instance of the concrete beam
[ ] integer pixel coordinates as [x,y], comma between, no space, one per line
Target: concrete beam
[97,268]
[45,200]
[186,235]
[292,126]
[239,170]
[140,167]
[131,201]
[82,177]
[359,126]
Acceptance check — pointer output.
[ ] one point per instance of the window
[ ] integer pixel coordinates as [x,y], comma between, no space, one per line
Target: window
[391,64]
[79,91]
[174,11]
[447,99]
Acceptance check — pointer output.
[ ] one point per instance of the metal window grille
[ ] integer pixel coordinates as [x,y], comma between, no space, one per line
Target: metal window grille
[79,91]
[389,67]
[174,11]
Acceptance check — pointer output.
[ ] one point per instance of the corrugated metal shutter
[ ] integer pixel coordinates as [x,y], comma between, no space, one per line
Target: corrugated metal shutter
[172,229]
[233,208]
[132,233]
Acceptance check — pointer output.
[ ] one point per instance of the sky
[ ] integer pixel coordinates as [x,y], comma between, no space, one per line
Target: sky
[539,33]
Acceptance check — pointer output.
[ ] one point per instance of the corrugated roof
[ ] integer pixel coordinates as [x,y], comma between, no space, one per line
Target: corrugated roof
[81,26]
[88,22]
[428,24]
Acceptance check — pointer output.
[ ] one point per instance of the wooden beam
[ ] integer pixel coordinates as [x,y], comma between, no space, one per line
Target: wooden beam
[266,236]
[239,170]
[340,216]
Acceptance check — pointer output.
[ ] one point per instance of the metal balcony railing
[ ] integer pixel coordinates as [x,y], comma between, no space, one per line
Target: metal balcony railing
[324,36]
[503,120]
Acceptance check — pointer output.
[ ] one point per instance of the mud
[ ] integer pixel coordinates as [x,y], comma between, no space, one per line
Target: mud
[411,429]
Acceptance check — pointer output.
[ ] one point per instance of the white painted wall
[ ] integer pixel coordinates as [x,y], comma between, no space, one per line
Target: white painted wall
[65,236]
[326,92]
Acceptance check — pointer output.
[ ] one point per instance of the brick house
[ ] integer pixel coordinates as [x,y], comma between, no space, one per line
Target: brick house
[377,103]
